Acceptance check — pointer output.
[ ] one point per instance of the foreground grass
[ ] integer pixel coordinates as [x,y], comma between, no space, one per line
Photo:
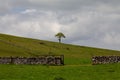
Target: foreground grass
[67,72]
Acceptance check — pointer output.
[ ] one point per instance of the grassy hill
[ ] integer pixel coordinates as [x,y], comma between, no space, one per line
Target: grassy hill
[19,46]
[77,61]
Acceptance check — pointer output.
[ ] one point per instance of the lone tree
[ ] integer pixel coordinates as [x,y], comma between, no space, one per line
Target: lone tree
[59,36]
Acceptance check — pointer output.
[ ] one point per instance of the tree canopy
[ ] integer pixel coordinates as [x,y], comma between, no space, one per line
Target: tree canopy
[59,36]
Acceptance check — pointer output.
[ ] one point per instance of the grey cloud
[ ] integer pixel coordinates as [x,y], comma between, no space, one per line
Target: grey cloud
[84,22]
[5,6]
[57,5]
[71,5]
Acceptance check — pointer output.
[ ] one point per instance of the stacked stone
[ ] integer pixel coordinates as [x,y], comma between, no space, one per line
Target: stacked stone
[45,60]
[105,59]
[5,60]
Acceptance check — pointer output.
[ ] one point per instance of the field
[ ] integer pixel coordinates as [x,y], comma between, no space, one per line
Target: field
[67,72]
[77,61]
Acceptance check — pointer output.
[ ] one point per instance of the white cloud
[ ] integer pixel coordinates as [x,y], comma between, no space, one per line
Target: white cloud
[89,22]
[29,11]
[42,26]
[112,38]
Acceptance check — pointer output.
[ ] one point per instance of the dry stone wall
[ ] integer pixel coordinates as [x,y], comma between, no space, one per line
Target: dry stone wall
[105,59]
[45,60]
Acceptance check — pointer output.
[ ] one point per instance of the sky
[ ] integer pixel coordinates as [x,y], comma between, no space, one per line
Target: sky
[94,23]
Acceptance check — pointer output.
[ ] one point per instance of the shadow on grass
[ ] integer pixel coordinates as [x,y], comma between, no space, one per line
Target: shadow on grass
[59,78]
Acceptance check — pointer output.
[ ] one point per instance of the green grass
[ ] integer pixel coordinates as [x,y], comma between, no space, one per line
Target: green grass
[77,61]
[19,46]
[67,72]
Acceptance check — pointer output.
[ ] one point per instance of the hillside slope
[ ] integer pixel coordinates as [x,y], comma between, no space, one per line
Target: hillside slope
[19,46]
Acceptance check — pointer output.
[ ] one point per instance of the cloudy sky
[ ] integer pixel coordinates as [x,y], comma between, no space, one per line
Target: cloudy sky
[93,23]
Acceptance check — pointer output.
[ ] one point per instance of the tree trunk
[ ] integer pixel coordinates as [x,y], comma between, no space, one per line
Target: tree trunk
[59,40]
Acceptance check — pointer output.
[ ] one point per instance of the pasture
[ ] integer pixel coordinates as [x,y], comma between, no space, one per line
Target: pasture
[77,61]
[67,72]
